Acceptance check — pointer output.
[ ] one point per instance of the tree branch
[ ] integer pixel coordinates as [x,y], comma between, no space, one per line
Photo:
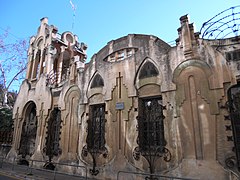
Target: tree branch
[15,77]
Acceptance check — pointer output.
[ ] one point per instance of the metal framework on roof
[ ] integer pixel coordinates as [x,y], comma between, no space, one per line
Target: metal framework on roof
[226,24]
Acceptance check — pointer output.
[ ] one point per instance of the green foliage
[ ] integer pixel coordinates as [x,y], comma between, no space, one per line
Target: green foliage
[6,121]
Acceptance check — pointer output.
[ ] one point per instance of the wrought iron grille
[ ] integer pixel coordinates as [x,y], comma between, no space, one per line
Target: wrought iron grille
[96,135]
[52,78]
[150,125]
[29,131]
[234,107]
[151,139]
[53,134]
[96,129]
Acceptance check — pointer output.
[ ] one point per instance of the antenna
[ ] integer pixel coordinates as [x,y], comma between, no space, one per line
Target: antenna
[74,13]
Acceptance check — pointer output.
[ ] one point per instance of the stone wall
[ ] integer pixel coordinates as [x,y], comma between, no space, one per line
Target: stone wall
[100,111]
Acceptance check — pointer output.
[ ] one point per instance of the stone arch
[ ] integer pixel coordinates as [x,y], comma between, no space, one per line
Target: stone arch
[39,43]
[195,106]
[148,69]
[150,100]
[53,134]
[96,85]
[152,80]
[68,38]
[196,63]
[193,66]
[66,60]
[70,124]
[37,63]
[29,130]
[97,81]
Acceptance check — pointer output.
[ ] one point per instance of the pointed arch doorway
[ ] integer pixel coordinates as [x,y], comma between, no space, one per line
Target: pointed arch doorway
[28,134]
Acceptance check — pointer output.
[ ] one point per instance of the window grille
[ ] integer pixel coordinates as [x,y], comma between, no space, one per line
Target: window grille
[150,124]
[96,128]
[29,131]
[151,140]
[234,107]
[96,135]
[53,134]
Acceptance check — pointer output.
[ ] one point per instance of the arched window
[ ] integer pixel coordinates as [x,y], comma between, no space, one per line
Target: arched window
[29,131]
[97,81]
[36,65]
[148,70]
[30,68]
[65,65]
[53,134]
[43,62]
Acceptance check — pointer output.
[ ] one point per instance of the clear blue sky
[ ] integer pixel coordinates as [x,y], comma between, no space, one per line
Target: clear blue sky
[100,21]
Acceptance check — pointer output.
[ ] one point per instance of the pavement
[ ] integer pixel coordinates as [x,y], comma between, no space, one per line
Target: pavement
[23,172]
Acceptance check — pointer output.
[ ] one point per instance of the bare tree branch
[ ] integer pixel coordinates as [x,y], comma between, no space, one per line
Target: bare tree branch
[13,61]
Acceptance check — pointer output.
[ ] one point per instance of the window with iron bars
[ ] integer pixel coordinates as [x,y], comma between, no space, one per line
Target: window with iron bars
[234,108]
[96,129]
[150,125]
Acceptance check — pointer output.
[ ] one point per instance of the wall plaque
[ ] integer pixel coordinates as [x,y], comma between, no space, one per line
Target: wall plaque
[120,105]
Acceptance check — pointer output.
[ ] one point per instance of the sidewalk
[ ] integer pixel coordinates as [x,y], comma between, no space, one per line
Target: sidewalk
[22,172]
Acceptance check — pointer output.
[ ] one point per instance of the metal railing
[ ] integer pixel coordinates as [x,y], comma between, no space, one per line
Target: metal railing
[152,175]
[1,161]
[52,78]
[233,175]
[30,168]
[55,171]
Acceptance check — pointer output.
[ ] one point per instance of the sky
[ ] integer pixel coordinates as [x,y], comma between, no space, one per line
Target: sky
[96,22]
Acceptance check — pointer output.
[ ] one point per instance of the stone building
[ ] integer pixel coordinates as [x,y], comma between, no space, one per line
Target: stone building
[139,106]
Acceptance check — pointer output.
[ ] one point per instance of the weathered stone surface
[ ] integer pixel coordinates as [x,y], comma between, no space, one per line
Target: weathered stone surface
[192,79]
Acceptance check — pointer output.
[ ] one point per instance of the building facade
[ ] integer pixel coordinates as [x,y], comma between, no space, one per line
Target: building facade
[139,106]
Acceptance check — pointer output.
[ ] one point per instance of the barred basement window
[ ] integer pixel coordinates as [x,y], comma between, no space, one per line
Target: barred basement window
[150,125]
[96,129]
